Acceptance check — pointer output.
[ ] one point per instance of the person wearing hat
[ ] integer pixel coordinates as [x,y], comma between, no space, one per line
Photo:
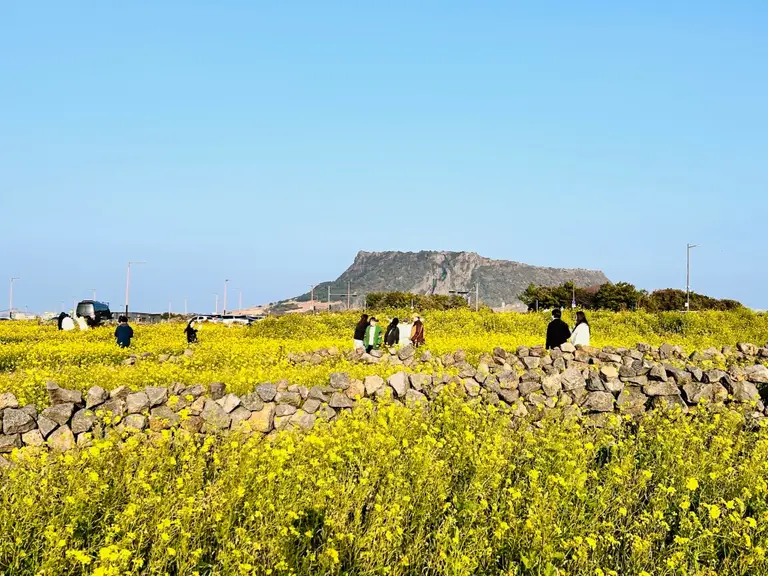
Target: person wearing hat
[372,338]
[417,332]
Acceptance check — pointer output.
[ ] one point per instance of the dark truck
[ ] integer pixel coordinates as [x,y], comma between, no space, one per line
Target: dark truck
[94,312]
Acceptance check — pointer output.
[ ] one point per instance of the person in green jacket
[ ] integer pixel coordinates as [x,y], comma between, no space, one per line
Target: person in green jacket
[372,338]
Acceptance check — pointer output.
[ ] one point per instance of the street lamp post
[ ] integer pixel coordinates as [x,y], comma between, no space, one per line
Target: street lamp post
[240,300]
[217,304]
[94,293]
[688,277]
[10,298]
[128,282]
[225,296]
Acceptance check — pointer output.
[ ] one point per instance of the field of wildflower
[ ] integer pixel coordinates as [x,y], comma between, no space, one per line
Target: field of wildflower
[452,488]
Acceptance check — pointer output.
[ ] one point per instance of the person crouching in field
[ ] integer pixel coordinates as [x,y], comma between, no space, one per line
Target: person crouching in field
[392,335]
[191,333]
[123,333]
[557,331]
[581,331]
[372,340]
[360,329]
[417,332]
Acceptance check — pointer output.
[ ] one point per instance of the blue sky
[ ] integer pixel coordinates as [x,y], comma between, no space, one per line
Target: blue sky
[268,142]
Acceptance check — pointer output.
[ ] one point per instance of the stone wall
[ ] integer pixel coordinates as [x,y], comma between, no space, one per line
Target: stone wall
[528,381]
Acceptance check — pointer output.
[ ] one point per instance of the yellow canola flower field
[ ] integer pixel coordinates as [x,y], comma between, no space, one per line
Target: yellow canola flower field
[456,488]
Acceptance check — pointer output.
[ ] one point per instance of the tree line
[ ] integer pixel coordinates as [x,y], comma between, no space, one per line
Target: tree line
[617,297]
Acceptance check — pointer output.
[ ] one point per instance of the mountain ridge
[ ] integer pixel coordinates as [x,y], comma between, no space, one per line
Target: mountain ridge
[500,282]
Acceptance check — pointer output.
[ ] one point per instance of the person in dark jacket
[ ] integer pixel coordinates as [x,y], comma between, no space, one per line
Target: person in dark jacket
[191,333]
[392,335]
[123,333]
[360,329]
[557,331]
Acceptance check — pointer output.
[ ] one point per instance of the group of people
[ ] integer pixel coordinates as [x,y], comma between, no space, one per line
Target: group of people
[368,334]
[558,332]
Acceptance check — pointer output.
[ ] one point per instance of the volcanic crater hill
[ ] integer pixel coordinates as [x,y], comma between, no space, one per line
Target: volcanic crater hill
[436,272]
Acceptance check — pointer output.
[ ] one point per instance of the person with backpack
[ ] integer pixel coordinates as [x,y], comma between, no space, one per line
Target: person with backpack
[557,331]
[372,340]
[392,334]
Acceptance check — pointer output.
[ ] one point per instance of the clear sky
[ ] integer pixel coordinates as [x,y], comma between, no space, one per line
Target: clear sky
[268,142]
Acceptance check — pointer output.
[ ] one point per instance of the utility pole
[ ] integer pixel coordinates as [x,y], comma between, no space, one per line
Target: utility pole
[217,303]
[169,309]
[312,298]
[225,296]
[329,297]
[185,306]
[240,300]
[128,283]
[10,303]
[94,293]
[688,277]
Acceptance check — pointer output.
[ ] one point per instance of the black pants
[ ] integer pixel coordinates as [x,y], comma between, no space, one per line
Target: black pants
[368,349]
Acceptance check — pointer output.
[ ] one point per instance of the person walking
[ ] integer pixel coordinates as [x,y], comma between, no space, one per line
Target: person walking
[417,332]
[191,332]
[372,339]
[581,332]
[123,333]
[557,331]
[360,329]
[392,334]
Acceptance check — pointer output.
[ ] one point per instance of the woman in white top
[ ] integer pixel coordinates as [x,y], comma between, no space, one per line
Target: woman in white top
[580,334]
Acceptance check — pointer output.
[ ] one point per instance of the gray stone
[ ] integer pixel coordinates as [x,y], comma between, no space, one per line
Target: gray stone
[266,392]
[197,391]
[135,422]
[695,392]
[340,380]
[157,395]
[82,421]
[528,386]
[32,438]
[594,384]
[8,400]
[285,410]
[162,417]
[340,400]
[355,390]
[17,421]
[59,413]
[599,402]
[508,380]
[414,398]
[303,420]
[311,405]
[608,373]
[405,352]
[420,381]
[744,392]
[290,398]
[215,416]
[713,376]
[252,402]
[398,382]
[668,388]
[96,396]
[321,393]
[531,362]
[62,439]
[46,426]
[472,388]
[216,390]
[537,399]
[757,374]
[115,406]
[238,416]
[658,373]
[614,386]
[326,413]
[263,420]
[572,379]
[229,402]
[196,407]
[136,403]
[551,385]
[9,442]
[120,392]
[509,396]
[578,395]
[31,410]
[61,395]
[638,381]
[632,401]
[192,424]
[670,403]
[568,348]
[747,348]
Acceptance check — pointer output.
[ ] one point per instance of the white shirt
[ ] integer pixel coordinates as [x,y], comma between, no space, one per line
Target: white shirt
[580,335]
[67,324]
